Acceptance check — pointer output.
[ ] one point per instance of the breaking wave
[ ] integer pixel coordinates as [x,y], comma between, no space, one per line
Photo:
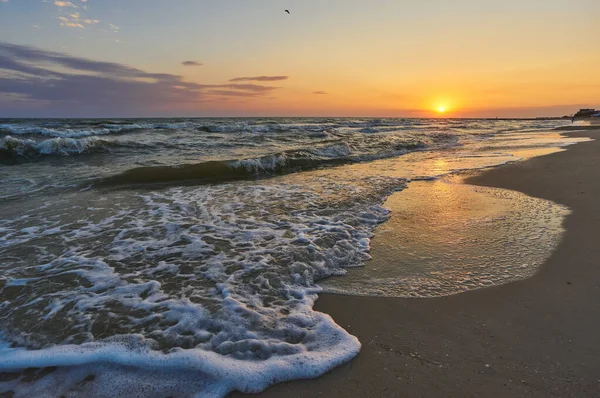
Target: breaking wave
[14,148]
[78,130]
[218,171]
[66,132]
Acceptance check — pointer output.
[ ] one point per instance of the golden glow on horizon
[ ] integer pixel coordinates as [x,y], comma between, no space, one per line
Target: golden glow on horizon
[442,104]
[472,58]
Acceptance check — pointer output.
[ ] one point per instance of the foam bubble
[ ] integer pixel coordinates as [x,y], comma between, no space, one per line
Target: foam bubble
[217,281]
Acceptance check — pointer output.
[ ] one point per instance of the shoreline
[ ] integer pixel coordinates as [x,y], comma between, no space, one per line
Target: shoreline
[533,337]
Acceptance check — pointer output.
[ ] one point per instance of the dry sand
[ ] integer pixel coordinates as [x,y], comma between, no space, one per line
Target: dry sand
[538,337]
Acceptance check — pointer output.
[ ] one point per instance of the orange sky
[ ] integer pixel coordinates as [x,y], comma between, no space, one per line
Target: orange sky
[475,58]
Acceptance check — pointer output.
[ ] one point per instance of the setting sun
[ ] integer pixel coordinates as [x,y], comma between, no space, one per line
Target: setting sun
[418,151]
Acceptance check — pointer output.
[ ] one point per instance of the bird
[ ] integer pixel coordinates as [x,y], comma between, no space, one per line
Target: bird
[288,11]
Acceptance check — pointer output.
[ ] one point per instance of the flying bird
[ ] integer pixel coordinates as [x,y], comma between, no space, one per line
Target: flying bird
[288,11]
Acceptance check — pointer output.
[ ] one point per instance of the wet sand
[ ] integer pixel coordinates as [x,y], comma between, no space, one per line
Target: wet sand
[536,337]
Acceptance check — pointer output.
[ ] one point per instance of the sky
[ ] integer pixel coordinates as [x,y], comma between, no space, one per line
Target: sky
[389,58]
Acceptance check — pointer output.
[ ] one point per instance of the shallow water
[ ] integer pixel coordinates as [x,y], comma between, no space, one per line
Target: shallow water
[445,237]
[210,276]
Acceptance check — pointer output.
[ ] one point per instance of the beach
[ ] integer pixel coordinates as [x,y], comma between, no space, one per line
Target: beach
[183,257]
[534,337]
[321,198]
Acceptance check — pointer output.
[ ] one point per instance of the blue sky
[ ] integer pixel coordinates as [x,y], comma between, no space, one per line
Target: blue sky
[338,57]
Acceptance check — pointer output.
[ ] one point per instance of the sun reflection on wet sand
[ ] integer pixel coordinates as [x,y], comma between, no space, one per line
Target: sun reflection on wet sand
[446,237]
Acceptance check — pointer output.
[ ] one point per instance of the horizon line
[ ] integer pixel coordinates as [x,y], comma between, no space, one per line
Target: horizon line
[284,117]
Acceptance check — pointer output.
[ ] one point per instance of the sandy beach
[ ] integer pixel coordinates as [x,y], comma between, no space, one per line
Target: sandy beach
[535,337]
[316,198]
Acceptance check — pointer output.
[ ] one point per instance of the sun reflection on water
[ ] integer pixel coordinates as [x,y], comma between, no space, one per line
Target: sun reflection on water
[445,238]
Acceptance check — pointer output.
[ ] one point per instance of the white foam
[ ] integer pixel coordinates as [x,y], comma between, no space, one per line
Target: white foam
[69,132]
[217,282]
[53,132]
[54,146]
[207,373]
[333,151]
[199,291]
[261,165]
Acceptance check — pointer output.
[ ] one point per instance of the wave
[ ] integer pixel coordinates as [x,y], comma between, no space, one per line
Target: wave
[66,130]
[193,286]
[78,129]
[83,128]
[218,171]
[576,128]
[244,127]
[15,149]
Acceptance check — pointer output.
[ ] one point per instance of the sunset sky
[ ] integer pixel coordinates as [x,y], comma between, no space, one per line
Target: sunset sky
[398,58]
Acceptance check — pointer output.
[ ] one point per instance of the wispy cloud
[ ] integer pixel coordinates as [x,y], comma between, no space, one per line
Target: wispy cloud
[64,21]
[65,4]
[191,63]
[71,18]
[65,83]
[244,87]
[232,93]
[74,20]
[320,92]
[259,79]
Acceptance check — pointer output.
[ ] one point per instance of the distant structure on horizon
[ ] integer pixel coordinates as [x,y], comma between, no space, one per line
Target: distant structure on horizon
[588,115]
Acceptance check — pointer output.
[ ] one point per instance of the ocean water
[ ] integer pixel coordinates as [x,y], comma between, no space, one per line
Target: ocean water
[446,237]
[183,257]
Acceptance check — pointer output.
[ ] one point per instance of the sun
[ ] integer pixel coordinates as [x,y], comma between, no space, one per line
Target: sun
[441,107]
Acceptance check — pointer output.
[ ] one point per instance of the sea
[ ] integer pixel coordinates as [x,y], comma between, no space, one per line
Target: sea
[183,257]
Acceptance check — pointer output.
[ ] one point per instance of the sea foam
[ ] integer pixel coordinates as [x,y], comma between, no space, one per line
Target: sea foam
[10,146]
[199,290]
[216,283]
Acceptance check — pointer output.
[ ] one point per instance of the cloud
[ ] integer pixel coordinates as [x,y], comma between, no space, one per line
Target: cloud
[232,93]
[71,23]
[259,79]
[68,85]
[72,19]
[191,63]
[65,4]
[320,92]
[244,87]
